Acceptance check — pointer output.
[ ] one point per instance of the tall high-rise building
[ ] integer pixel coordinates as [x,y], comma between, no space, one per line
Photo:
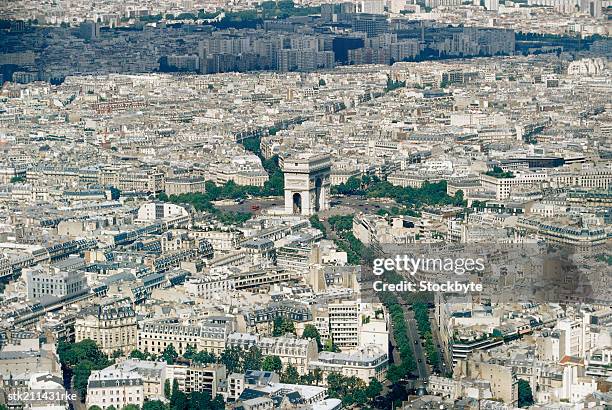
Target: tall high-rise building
[89,30]
[371,24]
[327,12]
[491,5]
[372,6]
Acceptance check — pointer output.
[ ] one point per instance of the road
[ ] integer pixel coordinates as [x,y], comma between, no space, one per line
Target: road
[445,361]
[262,203]
[339,205]
[365,205]
[419,354]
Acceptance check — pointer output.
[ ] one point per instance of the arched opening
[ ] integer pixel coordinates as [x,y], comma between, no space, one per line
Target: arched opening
[297,204]
[318,197]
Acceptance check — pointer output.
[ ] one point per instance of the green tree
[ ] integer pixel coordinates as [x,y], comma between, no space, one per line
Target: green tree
[231,359]
[80,376]
[217,403]
[131,407]
[204,357]
[497,172]
[81,358]
[167,389]
[351,390]
[175,387]
[317,376]
[525,395]
[190,352]
[252,359]
[115,193]
[199,400]
[330,346]
[290,375]
[17,179]
[358,397]
[71,354]
[311,332]
[395,373]
[154,405]
[162,196]
[374,388]
[178,399]
[282,326]
[316,223]
[169,354]
[111,407]
[341,223]
[94,407]
[137,354]
[272,364]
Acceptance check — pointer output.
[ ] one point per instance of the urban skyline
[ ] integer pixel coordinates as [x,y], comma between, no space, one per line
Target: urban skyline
[376,204]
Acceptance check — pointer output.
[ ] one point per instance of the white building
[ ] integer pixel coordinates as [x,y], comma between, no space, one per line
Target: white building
[353,324]
[52,282]
[114,387]
[158,210]
[366,363]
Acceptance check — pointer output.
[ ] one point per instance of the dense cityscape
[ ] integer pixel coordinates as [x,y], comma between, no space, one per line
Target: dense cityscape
[375,204]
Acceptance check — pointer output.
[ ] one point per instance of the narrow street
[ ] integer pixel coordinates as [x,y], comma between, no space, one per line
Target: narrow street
[417,349]
[445,359]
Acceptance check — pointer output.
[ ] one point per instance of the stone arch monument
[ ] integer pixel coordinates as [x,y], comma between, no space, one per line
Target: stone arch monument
[306,183]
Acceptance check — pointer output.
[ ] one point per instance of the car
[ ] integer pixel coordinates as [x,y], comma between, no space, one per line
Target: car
[416,342]
[420,361]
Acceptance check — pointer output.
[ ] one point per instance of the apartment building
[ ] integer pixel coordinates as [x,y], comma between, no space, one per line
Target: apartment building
[155,336]
[114,387]
[226,241]
[260,319]
[502,187]
[590,178]
[208,286]
[112,326]
[27,356]
[291,350]
[152,373]
[41,282]
[502,379]
[133,180]
[563,231]
[344,324]
[353,324]
[178,186]
[367,362]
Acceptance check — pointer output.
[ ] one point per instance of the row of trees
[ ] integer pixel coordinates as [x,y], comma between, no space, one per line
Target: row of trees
[373,187]
[315,222]
[347,242]
[400,335]
[398,321]
[276,181]
[421,314]
[78,360]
